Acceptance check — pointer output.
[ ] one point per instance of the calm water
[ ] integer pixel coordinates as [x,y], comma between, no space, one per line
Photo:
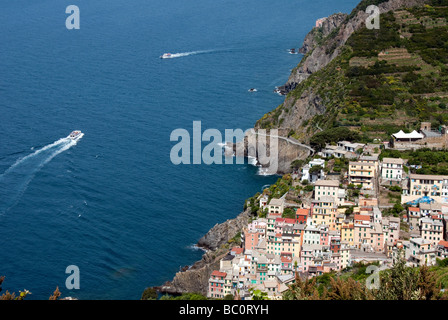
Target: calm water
[113,204]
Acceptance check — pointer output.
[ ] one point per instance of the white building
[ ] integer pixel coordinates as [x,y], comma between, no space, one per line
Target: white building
[392,169]
[420,252]
[311,235]
[306,171]
[276,206]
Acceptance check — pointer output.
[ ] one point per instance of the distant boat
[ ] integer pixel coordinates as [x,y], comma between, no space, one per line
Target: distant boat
[252,90]
[292,51]
[75,135]
[165,56]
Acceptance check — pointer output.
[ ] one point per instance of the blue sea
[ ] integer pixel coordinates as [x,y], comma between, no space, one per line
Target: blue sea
[113,204]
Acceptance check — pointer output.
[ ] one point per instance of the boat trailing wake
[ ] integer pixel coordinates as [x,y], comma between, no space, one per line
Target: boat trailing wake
[15,180]
[185,54]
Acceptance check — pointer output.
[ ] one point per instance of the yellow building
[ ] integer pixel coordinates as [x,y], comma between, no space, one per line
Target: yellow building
[363,174]
[323,212]
[348,233]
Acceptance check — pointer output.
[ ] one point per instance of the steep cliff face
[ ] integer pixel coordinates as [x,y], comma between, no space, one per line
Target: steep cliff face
[306,99]
[223,232]
[195,279]
[336,30]
[259,144]
[317,35]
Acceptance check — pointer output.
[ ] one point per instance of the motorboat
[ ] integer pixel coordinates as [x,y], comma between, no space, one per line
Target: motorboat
[75,135]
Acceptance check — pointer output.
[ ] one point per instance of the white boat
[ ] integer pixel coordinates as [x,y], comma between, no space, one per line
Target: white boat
[165,56]
[75,135]
[252,90]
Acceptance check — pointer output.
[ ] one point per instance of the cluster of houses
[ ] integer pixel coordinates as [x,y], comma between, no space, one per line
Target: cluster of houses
[324,236]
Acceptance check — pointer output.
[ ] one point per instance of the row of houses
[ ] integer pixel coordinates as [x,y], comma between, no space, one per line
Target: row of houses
[319,239]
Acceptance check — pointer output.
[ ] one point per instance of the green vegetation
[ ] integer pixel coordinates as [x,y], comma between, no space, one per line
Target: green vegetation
[282,186]
[236,240]
[149,294]
[185,296]
[398,283]
[395,211]
[289,213]
[258,294]
[253,204]
[395,188]
[333,135]
[381,82]
[432,161]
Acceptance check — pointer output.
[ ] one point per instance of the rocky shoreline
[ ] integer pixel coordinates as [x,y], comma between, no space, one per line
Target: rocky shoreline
[195,278]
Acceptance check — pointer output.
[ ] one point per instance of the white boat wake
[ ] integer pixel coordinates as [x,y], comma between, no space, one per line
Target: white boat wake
[15,180]
[184,54]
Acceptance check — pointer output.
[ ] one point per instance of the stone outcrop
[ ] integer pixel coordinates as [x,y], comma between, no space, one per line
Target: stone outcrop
[316,35]
[223,232]
[255,145]
[318,56]
[195,278]
[320,47]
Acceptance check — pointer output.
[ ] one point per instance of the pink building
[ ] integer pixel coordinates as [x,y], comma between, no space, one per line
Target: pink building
[216,284]
[251,239]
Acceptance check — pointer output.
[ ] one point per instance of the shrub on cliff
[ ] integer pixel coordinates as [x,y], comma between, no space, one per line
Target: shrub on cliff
[333,135]
[289,213]
[149,294]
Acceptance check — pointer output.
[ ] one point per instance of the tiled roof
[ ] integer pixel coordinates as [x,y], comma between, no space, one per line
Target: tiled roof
[362,217]
[219,274]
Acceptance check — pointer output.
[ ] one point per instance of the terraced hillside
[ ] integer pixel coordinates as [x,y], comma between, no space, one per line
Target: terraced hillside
[381,81]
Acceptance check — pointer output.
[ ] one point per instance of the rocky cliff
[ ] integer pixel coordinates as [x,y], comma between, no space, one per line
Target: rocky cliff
[323,46]
[258,144]
[304,100]
[195,278]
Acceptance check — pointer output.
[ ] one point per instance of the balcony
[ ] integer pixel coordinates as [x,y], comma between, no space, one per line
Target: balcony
[217,281]
[262,269]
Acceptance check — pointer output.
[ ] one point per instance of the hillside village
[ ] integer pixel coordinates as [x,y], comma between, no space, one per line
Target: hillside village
[348,204]
[372,103]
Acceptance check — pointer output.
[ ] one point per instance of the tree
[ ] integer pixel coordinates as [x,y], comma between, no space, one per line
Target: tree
[302,290]
[263,213]
[149,294]
[427,284]
[289,213]
[399,283]
[258,294]
[315,169]
[348,290]
[296,164]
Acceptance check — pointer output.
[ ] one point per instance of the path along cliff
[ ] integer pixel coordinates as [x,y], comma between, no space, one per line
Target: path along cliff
[321,46]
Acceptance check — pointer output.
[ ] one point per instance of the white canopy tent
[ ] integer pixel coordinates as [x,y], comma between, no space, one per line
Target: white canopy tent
[414,135]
